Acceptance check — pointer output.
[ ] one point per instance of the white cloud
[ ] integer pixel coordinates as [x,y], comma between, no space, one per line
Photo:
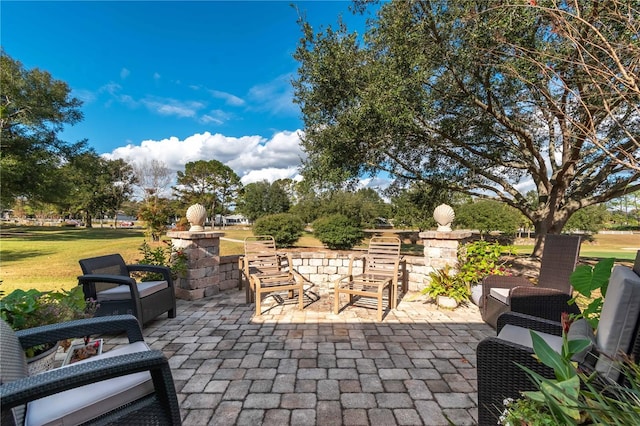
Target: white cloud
[275,96]
[124,73]
[227,97]
[253,158]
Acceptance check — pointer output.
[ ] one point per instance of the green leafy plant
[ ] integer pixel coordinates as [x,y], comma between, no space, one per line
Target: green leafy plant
[286,228]
[23,309]
[592,283]
[168,255]
[338,232]
[480,258]
[446,283]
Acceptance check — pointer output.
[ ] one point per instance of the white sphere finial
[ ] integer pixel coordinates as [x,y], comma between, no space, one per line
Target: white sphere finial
[196,215]
[444,215]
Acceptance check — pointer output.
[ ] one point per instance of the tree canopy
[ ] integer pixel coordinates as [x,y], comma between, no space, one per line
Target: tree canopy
[486,98]
[34,108]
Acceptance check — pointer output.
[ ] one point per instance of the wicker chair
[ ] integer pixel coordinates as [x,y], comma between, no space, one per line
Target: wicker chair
[268,271]
[499,358]
[380,272]
[107,279]
[546,299]
[127,385]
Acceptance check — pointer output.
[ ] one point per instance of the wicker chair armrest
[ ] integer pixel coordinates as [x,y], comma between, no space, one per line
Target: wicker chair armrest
[112,325]
[541,302]
[504,281]
[104,278]
[30,388]
[527,321]
[500,375]
[163,270]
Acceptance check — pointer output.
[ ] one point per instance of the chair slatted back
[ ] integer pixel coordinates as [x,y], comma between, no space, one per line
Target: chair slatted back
[383,256]
[260,255]
[559,258]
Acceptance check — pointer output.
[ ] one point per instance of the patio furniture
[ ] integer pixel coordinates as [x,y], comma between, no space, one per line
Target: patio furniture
[130,384]
[108,280]
[499,375]
[546,299]
[380,272]
[267,271]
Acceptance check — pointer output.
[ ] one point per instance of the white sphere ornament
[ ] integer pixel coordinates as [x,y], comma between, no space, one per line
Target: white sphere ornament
[444,215]
[196,215]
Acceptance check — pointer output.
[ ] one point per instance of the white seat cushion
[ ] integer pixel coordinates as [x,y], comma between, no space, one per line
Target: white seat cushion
[87,402]
[579,330]
[618,318]
[502,294]
[122,292]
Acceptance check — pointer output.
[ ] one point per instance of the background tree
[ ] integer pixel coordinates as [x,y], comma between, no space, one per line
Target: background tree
[209,183]
[34,108]
[122,178]
[590,219]
[413,206]
[153,178]
[263,198]
[155,212]
[445,93]
[487,216]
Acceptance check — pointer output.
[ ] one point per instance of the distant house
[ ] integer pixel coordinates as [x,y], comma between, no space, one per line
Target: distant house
[234,219]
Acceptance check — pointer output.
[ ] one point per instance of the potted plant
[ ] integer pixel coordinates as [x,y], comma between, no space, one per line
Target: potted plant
[23,309]
[447,288]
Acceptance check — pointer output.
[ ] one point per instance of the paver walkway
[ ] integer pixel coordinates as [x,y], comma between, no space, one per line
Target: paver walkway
[417,367]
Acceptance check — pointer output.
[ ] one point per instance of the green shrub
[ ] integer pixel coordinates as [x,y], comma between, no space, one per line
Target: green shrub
[286,228]
[444,282]
[337,232]
[479,259]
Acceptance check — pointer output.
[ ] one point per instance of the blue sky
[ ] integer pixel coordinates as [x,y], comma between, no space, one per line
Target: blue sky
[176,81]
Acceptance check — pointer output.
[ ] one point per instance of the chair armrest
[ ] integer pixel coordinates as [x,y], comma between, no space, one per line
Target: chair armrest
[103,278]
[30,388]
[541,302]
[112,325]
[163,270]
[530,322]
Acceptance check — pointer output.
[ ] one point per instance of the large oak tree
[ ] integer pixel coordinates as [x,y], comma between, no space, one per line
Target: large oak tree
[34,108]
[487,98]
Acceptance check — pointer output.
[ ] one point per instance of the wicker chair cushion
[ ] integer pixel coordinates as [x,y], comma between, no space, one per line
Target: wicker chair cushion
[522,336]
[13,366]
[502,294]
[618,318]
[122,292]
[84,403]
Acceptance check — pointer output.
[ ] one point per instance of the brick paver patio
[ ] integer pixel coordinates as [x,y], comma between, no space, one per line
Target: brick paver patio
[417,367]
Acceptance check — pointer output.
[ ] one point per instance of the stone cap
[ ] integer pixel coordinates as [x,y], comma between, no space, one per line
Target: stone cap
[186,235]
[445,235]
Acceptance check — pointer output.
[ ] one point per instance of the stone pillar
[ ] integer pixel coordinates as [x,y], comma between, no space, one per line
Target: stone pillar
[441,247]
[202,250]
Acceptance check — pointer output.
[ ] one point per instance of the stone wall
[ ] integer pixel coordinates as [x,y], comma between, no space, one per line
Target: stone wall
[322,268]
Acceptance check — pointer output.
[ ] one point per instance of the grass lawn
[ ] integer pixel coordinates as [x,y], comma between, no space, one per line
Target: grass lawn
[46,258]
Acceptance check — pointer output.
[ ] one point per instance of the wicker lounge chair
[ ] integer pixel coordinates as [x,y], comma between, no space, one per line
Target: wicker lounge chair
[380,272]
[499,375]
[267,271]
[127,385]
[546,299]
[107,279]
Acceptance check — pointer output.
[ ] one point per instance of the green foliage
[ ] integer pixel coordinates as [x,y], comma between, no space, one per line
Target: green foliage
[155,213]
[263,198]
[592,283]
[32,308]
[478,259]
[285,228]
[488,216]
[34,108]
[590,219]
[448,93]
[338,232]
[444,282]
[210,183]
[168,255]
[574,397]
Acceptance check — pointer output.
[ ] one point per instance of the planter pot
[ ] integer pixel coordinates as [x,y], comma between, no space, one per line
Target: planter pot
[446,302]
[43,361]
